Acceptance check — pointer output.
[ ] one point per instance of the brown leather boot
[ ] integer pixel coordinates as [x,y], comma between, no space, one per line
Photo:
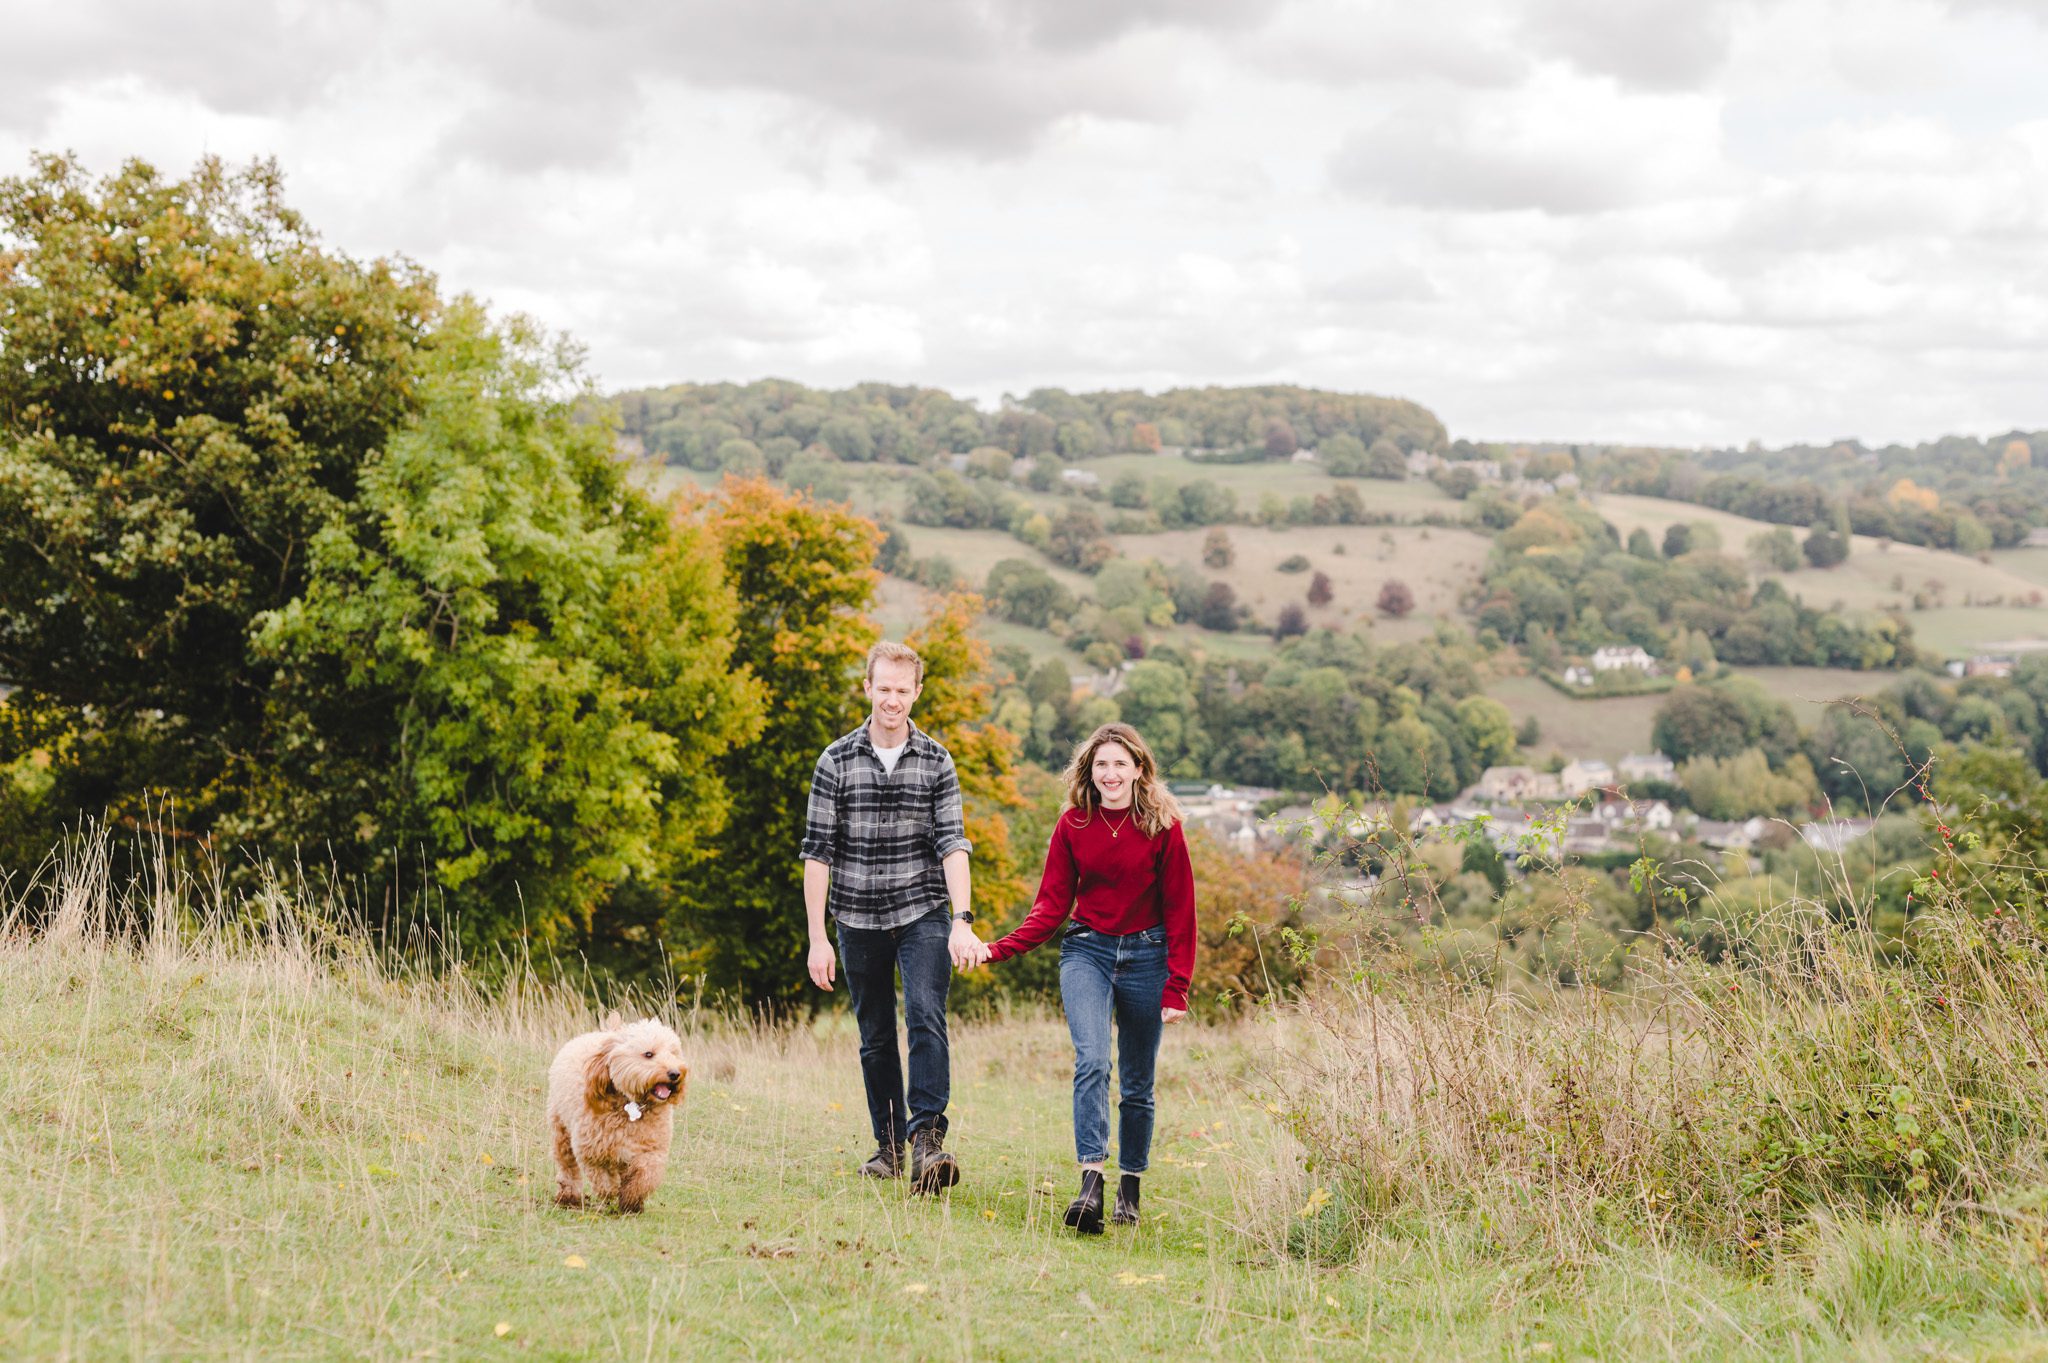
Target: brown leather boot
[886,1162]
[931,1168]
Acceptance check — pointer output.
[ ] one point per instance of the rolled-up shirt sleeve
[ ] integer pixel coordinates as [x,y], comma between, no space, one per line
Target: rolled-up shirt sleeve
[821,819]
[949,821]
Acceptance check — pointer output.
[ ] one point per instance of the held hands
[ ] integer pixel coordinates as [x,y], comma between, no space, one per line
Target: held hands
[968,951]
[1172,1015]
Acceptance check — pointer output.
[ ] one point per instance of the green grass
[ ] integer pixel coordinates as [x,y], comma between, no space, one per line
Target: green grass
[1406,499]
[1606,727]
[213,1145]
[1809,689]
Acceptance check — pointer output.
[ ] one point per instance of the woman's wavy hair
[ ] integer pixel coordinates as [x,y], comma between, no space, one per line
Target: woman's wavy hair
[1152,804]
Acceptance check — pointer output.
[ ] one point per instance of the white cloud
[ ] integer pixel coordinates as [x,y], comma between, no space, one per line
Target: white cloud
[1692,221]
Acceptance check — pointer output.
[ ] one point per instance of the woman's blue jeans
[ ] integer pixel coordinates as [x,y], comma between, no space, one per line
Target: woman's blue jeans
[1121,977]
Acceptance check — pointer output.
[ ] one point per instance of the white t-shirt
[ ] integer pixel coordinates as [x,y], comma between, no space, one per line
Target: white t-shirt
[889,756]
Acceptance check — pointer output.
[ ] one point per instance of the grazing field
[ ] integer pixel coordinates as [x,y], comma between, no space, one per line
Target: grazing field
[1605,727]
[1437,563]
[228,1143]
[1407,499]
[1809,689]
[2028,564]
[973,552]
[1968,604]
[1962,630]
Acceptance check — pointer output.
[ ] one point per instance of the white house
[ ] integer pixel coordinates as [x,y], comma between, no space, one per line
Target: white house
[1651,814]
[1080,478]
[1576,675]
[1584,774]
[1616,658]
[1508,785]
[1647,767]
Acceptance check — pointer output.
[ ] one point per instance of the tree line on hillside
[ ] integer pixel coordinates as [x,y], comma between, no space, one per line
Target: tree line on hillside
[1328,711]
[1957,493]
[1561,580]
[788,430]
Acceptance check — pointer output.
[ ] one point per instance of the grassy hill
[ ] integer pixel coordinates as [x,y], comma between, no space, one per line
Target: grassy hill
[257,1143]
[1880,577]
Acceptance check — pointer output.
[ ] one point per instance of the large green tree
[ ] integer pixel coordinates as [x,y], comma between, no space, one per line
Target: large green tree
[505,660]
[313,566]
[191,388]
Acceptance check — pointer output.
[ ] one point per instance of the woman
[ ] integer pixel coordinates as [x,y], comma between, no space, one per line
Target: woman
[1118,865]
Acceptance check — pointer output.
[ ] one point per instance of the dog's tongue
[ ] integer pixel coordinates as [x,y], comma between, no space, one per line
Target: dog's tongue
[662,1091]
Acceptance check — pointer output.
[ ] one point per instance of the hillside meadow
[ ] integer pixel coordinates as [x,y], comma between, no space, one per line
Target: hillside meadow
[1879,576]
[227,1132]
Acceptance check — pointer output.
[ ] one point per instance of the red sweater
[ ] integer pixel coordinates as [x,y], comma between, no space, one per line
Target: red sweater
[1116,885]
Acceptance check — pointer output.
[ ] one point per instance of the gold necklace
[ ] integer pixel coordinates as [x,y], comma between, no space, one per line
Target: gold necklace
[1114,831]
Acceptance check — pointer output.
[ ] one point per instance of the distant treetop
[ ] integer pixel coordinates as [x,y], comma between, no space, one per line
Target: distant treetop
[691,423]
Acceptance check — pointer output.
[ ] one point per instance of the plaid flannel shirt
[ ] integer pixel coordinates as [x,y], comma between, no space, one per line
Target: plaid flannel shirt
[884,834]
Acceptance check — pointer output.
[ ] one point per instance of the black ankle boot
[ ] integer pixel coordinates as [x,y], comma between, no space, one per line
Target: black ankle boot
[1084,1213]
[1126,1213]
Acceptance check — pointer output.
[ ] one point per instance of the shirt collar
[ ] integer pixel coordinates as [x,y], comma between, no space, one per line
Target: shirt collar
[914,742]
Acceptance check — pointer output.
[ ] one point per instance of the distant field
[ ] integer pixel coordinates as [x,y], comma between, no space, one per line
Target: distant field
[1808,689]
[1404,499]
[974,552]
[1976,629]
[1608,728]
[1438,564]
[1876,578]
[2028,564]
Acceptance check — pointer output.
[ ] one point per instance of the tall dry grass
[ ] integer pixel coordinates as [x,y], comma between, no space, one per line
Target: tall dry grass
[1816,1083]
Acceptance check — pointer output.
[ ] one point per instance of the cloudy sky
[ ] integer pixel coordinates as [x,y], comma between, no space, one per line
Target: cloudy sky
[1685,221]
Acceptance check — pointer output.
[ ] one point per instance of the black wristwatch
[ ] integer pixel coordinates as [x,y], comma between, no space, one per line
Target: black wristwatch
[964,916]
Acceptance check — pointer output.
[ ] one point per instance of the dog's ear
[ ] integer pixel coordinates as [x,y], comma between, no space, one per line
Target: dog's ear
[610,1023]
[597,1075]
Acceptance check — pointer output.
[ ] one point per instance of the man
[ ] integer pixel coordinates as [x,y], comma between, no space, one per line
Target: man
[885,853]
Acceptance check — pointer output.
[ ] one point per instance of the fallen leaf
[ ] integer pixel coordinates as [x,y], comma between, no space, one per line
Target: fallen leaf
[485,1158]
[1331,1301]
[574,1261]
[1130,1279]
[1317,1200]
[916,1289]
[834,1107]
[988,1214]
[502,1328]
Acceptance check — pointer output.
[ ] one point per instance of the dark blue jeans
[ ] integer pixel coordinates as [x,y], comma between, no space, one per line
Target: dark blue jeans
[871,959]
[1121,977]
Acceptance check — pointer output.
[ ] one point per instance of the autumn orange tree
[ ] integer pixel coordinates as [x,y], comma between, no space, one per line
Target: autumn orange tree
[954,709]
[802,573]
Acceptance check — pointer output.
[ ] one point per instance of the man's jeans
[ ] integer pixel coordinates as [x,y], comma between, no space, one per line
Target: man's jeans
[1101,976]
[871,958]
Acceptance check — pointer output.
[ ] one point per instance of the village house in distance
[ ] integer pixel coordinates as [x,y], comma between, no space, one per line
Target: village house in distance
[1609,813]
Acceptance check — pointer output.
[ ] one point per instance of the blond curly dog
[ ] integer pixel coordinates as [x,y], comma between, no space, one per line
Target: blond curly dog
[611,1104]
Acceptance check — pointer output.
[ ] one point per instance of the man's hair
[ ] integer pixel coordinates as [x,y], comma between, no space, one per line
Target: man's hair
[889,651]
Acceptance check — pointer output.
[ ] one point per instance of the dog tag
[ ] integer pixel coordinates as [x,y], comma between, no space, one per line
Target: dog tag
[632,1112]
